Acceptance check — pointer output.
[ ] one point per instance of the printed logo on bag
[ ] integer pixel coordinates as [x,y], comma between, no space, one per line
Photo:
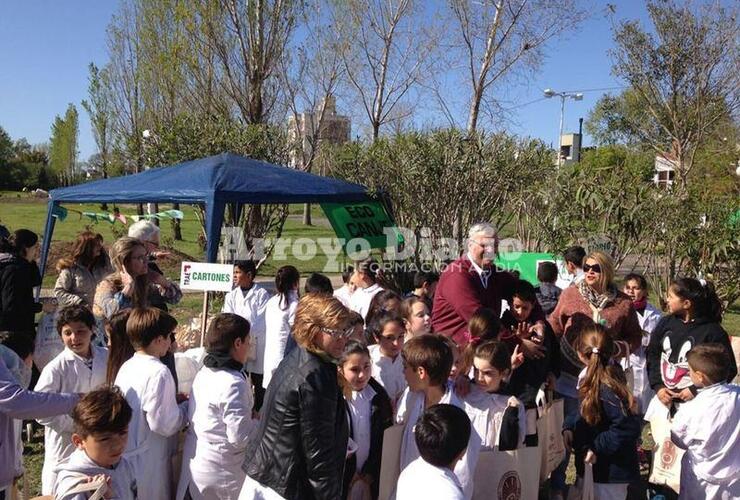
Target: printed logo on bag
[510,486]
[668,453]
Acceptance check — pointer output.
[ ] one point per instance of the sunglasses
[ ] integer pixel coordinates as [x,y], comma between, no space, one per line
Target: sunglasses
[595,268]
[338,334]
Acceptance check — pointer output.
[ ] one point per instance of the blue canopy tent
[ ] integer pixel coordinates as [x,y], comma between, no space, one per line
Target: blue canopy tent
[213,182]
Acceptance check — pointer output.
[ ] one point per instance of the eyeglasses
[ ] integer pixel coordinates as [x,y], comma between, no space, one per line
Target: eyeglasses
[338,334]
[595,268]
[489,246]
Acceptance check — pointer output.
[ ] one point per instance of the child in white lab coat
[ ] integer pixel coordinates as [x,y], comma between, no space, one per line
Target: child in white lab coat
[442,434]
[388,330]
[496,416]
[707,428]
[149,388]
[249,300]
[220,411]
[79,368]
[370,415]
[101,420]
[279,316]
[427,363]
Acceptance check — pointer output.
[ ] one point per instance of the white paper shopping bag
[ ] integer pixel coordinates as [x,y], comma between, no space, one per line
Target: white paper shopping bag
[390,464]
[507,475]
[550,435]
[666,467]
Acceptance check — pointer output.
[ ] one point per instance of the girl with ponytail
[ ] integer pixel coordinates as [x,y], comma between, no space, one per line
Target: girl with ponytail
[605,431]
[694,316]
[279,316]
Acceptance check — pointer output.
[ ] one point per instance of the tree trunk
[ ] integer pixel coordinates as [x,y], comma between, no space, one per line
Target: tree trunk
[307,215]
[474,111]
[176,230]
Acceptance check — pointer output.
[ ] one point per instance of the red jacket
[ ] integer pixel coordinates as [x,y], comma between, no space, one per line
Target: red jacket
[460,294]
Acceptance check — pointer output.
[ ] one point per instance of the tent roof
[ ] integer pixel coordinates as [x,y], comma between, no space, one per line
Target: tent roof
[225,178]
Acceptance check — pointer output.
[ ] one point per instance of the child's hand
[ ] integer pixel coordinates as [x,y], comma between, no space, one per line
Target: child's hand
[666,396]
[522,330]
[568,440]
[590,457]
[550,381]
[685,395]
[517,358]
[462,385]
[513,402]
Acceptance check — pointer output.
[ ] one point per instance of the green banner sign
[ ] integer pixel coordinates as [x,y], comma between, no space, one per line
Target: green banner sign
[525,263]
[361,220]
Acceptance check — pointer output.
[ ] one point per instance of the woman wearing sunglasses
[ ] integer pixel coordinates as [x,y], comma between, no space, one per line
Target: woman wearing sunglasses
[301,444]
[595,299]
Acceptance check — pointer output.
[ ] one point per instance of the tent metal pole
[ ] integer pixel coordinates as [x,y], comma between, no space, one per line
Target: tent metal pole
[204,319]
[46,244]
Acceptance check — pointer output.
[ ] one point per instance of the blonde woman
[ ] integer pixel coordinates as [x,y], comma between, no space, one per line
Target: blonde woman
[300,447]
[593,300]
[130,286]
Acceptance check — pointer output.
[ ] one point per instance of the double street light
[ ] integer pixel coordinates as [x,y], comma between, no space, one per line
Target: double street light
[576,96]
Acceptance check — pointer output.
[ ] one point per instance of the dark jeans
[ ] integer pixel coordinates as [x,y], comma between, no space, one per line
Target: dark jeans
[259,391]
[557,478]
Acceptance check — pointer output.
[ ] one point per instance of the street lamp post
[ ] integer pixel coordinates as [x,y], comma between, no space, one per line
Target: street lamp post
[576,96]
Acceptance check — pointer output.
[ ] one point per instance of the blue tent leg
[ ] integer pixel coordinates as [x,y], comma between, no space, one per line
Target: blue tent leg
[214,221]
[46,245]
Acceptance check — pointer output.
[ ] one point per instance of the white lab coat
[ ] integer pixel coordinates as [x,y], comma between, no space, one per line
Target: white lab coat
[636,361]
[360,300]
[252,308]
[278,324]
[389,373]
[343,295]
[486,412]
[220,413]
[122,477]
[565,279]
[410,409]
[707,428]
[68,373]
[422,480]
[149,388]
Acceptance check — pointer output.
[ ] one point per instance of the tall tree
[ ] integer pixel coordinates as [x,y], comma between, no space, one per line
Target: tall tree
[63,145]
[683,75]
[6,147]
[310,80]
[386,50]
[499,38]
[98,107]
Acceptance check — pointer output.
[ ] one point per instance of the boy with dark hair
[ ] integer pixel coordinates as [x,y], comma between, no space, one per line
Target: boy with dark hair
[441,434]
[526,380]
[425,284]
[79,368]
[100,422]
[220,413]
[318,283]
[149,388]
[427,361]
[344,293]
[547,292]
[706,427]
[573,261]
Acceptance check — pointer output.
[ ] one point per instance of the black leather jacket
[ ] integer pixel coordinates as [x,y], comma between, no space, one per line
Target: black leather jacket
[301,444]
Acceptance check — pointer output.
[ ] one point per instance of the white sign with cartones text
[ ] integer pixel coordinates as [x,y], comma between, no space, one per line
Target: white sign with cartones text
[207,277]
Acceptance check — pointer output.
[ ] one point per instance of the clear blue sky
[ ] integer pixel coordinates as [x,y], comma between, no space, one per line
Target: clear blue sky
[46,46]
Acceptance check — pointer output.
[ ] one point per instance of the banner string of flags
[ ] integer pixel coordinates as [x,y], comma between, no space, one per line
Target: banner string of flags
[61,214]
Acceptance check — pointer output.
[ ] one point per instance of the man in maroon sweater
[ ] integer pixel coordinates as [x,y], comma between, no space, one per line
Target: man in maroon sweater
[470,283]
